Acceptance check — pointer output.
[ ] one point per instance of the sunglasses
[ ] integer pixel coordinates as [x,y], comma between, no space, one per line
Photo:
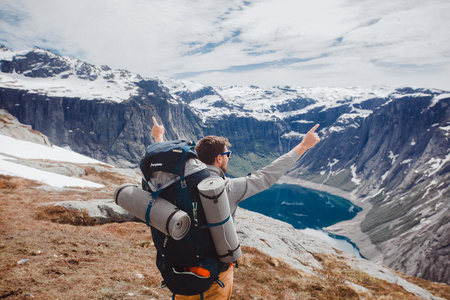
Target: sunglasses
[228,153]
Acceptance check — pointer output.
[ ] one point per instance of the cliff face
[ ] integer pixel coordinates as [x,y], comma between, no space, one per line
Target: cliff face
[116,133]
[389,147]
[398,159]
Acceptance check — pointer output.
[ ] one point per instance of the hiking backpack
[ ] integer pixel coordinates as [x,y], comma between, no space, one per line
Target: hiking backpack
[172,171]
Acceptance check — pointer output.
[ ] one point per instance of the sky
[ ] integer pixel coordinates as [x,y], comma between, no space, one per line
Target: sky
[337,43]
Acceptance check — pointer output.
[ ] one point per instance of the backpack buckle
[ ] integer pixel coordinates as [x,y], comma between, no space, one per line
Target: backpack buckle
[183,183]
[181,180]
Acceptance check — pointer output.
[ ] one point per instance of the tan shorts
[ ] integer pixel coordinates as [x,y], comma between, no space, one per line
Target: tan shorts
[215,292]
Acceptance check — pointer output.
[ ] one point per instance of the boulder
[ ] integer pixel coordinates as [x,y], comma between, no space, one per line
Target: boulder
[101,210]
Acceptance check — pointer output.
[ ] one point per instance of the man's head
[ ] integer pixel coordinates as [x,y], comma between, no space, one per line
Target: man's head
[211,151]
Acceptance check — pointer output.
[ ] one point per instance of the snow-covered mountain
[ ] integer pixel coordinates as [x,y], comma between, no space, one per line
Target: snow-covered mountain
[386,147]
[63,76]
[92,109]
[276,103]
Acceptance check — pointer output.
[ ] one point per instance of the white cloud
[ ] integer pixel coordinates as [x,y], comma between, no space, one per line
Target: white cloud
[274,20]
[262,42]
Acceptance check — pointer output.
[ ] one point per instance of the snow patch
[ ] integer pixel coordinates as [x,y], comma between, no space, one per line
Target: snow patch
[436,164]
[445,130]
[29,150]
[13,148]
[303,122]
[13,169]
[176,86]
[335,129]
[392,157]
[406,161]
[293,134]
[354,177]
[331,164]
[438,98]
[384,176]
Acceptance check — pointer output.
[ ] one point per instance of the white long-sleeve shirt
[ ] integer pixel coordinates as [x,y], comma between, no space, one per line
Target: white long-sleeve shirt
[241,188]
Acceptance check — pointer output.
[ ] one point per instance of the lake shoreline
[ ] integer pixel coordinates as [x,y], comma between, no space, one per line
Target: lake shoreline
[320,187]
[349,228]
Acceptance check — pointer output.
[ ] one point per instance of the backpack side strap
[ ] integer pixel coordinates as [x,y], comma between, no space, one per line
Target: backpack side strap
[149,207]
[215,197]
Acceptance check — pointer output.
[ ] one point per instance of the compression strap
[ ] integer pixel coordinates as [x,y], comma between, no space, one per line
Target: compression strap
[215,197]
[230,252]
[149,207]
[219,223]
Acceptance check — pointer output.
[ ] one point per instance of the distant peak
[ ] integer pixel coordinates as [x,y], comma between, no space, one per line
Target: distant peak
[4,49]
[36,49]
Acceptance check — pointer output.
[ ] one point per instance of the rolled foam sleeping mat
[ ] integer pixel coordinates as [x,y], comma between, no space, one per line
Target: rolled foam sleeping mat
[164,216]
[217,211]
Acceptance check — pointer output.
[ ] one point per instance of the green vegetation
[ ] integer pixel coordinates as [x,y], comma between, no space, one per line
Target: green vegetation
[342,180]
[377,221]
[260,156]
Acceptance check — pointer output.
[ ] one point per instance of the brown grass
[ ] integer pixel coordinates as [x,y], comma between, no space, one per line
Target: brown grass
[379,289]
[106,177]
[438,289]
[9,183]
[263,277]
[67,261]
[62,215]
[110,261]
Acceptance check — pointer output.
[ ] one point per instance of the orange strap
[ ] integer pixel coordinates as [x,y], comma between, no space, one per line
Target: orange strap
[199,271]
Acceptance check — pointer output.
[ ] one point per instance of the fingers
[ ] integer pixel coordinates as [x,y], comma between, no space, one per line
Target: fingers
[314,128]
[311,138]
[154,121]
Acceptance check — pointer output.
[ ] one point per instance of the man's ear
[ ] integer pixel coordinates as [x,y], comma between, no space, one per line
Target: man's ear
[218,160]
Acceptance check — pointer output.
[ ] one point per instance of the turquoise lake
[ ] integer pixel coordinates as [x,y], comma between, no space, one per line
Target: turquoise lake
[305,209]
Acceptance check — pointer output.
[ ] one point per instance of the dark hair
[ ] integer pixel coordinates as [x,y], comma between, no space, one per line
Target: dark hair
[209,146]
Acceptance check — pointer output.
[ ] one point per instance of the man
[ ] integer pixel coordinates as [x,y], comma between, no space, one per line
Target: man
[213,151]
